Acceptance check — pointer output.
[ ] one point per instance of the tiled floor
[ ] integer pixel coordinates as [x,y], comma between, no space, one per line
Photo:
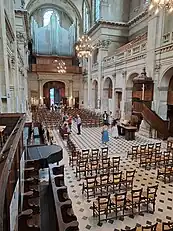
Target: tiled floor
[91,138]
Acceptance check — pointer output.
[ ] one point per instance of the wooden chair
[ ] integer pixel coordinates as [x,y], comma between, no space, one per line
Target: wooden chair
[116,180]
[115,164]
[150,228]
[95,153]
[104,152]
[149,197]
[167,226]
[128,180]
[103,183]
[81,168]
[118,203]
[134,200]
[101,207]
[89,186]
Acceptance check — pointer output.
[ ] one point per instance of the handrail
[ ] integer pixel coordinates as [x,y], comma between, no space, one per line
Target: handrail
[7,164]
[155,121]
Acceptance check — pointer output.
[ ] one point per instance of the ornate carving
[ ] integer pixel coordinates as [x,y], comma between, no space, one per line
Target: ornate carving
[20,37]
[157,67]
[102,44]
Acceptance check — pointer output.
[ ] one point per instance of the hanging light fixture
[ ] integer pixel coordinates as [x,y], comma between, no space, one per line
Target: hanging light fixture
[84,47]
[61,67]
[161,4]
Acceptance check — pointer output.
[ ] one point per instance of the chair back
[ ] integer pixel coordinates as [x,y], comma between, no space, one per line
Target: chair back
[91,181]
[117,176]
[120,199]
[150,228]
[136,195]
[152,192]
[103,202]
[167,226]
[134,229]
[157,146]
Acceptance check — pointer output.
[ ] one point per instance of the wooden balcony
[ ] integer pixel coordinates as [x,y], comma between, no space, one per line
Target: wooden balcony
[53,68]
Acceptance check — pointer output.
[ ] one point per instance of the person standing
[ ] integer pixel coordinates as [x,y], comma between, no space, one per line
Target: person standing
[79,122]
[105,117]
[69,122]
[114,129]
[105,134]
[110,118]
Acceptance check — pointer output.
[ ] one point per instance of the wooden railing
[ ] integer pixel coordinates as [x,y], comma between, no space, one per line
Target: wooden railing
[53,68]
[156,122]
[9,167]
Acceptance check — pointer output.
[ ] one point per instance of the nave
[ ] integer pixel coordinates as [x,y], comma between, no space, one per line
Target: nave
[82,206]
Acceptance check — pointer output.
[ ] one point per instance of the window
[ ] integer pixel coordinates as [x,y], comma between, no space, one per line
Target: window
[96,10]
[46,17]
[85,16]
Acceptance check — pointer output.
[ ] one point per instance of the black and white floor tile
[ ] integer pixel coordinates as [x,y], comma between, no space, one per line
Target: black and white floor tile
[91,138]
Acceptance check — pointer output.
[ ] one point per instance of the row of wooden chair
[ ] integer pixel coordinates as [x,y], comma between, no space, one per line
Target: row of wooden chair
[106,183]
[156,159]
[124,203]
[137,150]
[164,226]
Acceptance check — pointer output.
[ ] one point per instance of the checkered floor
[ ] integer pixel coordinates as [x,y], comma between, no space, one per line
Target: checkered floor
[91,138]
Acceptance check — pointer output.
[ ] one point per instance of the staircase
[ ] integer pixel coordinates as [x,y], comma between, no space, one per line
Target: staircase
[156,122]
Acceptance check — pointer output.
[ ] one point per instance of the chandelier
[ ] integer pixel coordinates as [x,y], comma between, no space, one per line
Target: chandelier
[84,47]
[161,4]
[61,67]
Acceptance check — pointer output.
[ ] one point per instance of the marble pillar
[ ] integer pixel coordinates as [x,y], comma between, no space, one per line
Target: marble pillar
[70,96]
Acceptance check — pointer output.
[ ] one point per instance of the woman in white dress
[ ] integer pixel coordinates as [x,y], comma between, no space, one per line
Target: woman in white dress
[114,129]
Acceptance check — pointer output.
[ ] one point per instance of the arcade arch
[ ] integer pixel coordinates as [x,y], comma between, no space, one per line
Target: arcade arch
[107,100]
[54,93]
[166,98]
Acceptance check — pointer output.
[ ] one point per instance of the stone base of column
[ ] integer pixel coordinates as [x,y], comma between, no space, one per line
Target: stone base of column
[145,129]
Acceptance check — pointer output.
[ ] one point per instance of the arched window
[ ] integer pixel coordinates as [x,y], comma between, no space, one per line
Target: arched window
[96,10]
[46,17]
[85,16]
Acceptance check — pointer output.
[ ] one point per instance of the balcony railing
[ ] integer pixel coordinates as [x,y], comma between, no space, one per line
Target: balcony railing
[53,68]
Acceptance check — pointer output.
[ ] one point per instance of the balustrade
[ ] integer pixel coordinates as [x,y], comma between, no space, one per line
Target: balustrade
[168,38]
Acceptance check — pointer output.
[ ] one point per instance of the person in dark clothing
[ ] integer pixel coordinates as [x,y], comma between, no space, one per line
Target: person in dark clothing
[105,117]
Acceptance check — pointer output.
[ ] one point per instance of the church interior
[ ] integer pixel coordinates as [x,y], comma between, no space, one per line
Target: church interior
[86,115]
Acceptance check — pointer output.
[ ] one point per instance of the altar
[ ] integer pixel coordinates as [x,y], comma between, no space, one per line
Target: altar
[127,130]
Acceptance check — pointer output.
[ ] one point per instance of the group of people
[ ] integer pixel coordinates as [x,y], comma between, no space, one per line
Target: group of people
[109,123]
[67,123]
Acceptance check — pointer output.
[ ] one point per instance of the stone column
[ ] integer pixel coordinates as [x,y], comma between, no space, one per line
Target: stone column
[70,93]
[103,46]
[89,81]
[4,79]
[123,102]
[40,91]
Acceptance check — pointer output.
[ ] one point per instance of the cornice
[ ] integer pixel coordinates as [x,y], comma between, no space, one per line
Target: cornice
[106,23]
[119,24]
[138,17]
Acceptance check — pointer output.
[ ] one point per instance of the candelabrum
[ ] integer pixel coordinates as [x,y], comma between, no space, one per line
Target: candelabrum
[161,4]
[84,47]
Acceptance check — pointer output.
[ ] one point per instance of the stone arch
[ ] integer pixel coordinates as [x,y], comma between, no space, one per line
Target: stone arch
[131,76]
[55,96]
[70,10]
[107,99]
[95,94]
[164,108]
